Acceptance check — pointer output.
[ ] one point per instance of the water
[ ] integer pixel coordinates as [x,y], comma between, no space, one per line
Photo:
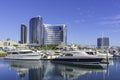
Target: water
[46,70]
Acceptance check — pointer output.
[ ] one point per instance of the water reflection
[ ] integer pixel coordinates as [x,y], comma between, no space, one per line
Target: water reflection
[45,70]
[72,72]
[33,68]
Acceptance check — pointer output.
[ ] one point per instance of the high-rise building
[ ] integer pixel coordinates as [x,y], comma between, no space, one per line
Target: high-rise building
[55,34]
[36,30]
[103,42]
[23,34]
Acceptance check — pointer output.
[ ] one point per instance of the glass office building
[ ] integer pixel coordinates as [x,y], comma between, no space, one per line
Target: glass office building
[55,34]
[103,42]
[36,30]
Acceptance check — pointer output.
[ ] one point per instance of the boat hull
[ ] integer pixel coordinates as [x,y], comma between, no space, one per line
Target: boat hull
[23,57]
[78,60]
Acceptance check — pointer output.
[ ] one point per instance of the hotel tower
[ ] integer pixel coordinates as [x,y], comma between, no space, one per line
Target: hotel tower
[23,34]
[36,30]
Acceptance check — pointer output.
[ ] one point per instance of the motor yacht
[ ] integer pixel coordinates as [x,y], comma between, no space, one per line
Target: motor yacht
[23,55]
[78,57]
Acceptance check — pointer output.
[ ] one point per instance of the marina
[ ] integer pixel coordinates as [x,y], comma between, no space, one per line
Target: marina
[73,57]
[60,40]
[68,63]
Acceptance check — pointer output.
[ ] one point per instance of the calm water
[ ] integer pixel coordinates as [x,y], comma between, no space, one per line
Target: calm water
[45,70]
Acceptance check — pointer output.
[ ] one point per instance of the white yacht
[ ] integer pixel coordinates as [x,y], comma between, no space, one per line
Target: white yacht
[24,55]
[78,57]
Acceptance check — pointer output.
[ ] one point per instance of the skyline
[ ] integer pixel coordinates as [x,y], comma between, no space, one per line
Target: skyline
[86,20]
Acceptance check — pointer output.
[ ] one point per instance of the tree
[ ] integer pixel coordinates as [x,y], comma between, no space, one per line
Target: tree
[15,45]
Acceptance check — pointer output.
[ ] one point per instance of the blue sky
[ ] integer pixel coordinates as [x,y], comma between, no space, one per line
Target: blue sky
[86,20]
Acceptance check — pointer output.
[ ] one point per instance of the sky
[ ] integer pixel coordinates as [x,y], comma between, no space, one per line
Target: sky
[86,20]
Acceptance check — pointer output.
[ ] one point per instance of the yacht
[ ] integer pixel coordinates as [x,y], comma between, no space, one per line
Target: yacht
[23,55]
[78,57]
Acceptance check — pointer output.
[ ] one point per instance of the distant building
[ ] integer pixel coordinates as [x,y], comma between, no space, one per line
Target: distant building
[9,42]
[36,30]
[23,34]
[55,34]
[103,42]
[1,43]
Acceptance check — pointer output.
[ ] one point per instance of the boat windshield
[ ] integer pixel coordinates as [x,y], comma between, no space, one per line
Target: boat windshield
[26,52]
[14,52]
[90,53]
[68,54]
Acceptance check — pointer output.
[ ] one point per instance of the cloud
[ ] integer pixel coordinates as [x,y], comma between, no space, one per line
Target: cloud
[78,9]
[117,17]
[79,21]
[114,31]
[114,20]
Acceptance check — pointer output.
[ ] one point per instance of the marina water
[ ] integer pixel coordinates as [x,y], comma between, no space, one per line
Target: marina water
[46,70]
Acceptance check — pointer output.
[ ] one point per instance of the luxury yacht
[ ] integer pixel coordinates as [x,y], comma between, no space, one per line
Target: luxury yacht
[78,57]
[24,55]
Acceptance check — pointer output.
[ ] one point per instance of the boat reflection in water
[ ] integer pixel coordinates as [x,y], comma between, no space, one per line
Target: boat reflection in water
[45,70]
[72,72]
[32,68]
